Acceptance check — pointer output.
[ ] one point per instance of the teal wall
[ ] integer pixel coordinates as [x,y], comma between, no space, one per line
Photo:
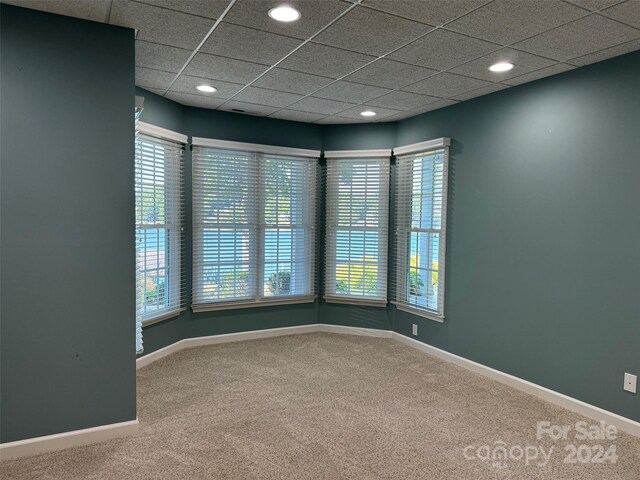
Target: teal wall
[543,257]
[542,272]
[543,252]
[67,287]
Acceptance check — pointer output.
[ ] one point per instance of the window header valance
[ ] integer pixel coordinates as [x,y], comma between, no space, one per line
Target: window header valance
[422,146]
[163,133]
[254,147]
[385,152]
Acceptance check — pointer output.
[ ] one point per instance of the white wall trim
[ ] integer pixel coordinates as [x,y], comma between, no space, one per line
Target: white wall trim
[423,146]
[254,147]
[159,132]
[365,332]
[385,152]
[623,423]
[59,441]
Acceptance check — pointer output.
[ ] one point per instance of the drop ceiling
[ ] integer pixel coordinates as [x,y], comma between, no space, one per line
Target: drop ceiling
[398,58]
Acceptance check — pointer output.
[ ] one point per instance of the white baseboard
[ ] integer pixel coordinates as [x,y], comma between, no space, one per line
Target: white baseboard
[366,332]
[551,396]
[224,338]
[59,441]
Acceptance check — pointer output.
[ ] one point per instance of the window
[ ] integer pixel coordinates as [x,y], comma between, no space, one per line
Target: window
[357,227]
[159,223]
[421,207]
[254,213]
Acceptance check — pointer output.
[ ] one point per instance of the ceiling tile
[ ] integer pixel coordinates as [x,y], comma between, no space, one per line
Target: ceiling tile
[350,92]
[627,12]
[381,113]
[390,74]
[543,72]
[188,84]
[436,106]
[96,10]
[248,108]
[157,91]
[315,15]
[290,81]
[334,120]
[370,31]
[320,105]
[148,78]
[160,25]
[442,49]
[445,85]
[203,8]
[221,68]
[248,44]
[194,100]
[262,96]
[325,61]
[403,100]
[595,5]
[578,38]
[523,63]
[611,52]
[433,12]
[481,91]
[160,57]
[508,21]
[296,116]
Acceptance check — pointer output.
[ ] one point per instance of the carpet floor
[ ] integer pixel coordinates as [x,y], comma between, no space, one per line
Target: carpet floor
[330,406]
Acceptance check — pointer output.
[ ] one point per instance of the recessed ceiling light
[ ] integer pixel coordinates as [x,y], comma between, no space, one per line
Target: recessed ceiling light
[368,113]
[206,88]
[501,67]
[284,13]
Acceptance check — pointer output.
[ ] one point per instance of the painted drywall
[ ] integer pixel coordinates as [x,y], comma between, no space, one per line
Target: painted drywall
[543,258]
[67,346]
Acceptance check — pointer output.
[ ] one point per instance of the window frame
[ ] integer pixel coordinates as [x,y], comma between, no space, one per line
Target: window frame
[261,154]
[334,158]
[403,213]
[174,226]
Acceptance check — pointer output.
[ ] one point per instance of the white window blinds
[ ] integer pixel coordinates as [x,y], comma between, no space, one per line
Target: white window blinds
[357,227]
[253,225]
[421,207]
[159,192]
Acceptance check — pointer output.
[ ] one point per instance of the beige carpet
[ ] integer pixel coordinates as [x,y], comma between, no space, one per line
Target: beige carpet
[327,406]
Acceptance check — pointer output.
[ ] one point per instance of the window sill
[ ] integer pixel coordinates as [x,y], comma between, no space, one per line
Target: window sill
[419,312]
[356,301]
[161,317]
[210,307]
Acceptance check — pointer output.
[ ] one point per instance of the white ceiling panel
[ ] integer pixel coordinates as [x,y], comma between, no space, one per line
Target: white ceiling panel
[160,25]
[160,57]
[397,57]
[371,32]
[351,92]
[222,68]
[315,14]
[390,74]
[446,85]
[523,63]
[188,84]
[249,44]
[508,21]
[579,38]
[293,82]
[442,49]
[325,61]
[432,12]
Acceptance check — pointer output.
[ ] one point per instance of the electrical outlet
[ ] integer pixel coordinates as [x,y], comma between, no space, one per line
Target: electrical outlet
[415,330]
[630,382]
